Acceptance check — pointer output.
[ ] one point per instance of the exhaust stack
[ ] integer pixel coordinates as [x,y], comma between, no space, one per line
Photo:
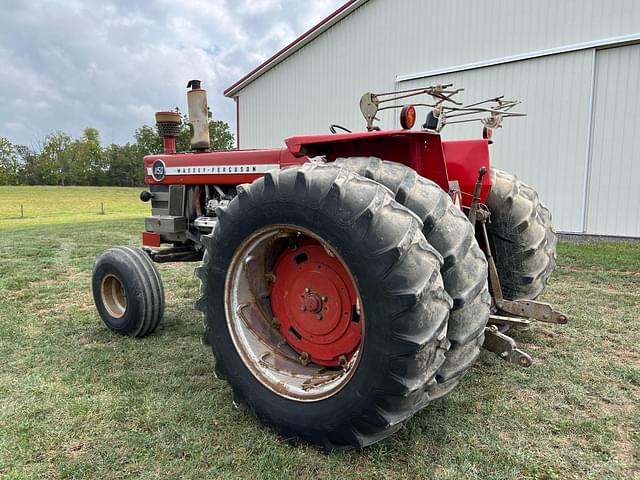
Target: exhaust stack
[198,115]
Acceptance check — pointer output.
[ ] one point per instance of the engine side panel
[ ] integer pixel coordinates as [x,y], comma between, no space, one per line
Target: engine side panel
[215,168]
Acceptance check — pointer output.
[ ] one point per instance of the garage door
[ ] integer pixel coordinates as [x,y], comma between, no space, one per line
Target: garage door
[614,179]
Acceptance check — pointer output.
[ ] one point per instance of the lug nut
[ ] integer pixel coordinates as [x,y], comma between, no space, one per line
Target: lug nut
[304,358]
[319,316]
[342,360]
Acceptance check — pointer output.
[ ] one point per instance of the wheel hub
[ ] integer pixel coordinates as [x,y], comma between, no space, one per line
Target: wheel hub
[315,301]
[312,302]
[114,297]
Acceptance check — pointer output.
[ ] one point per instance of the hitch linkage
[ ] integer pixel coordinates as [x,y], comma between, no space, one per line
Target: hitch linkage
[505,313]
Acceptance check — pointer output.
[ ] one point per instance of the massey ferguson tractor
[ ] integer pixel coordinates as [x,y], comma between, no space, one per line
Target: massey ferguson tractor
[348,279]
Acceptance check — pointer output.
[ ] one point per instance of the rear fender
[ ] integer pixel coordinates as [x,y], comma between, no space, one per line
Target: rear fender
[464,160]
[419,150]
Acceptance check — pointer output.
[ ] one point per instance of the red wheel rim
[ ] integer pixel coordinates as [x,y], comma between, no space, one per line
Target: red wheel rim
[260,287]
[316,302]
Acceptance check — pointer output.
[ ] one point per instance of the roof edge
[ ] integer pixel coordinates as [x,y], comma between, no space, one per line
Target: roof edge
[294,46]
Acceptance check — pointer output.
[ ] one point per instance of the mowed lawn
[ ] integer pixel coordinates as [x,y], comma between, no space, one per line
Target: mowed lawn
[58,205]
[77,401]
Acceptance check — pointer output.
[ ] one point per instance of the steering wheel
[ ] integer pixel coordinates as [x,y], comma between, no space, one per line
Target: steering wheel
[333,128]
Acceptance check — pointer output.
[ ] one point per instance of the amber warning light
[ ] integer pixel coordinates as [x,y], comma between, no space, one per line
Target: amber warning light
[487,134]
[408,117]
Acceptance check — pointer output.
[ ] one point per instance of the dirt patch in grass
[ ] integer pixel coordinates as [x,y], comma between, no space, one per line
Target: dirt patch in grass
[624,448]
[74,450]
[526,395]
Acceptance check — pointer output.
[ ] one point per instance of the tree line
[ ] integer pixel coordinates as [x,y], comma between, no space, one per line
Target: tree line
[62,160]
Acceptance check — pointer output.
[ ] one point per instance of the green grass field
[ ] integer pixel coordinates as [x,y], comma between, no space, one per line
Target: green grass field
[58,205]
[77,401]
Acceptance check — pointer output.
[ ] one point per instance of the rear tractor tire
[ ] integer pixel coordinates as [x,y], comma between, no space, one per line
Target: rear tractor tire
[324,306]
[127,291]
[522,237]
[464,270]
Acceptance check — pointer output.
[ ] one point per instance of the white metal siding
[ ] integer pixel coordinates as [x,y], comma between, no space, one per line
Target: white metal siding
[322,82]
[547,148]
[614,183]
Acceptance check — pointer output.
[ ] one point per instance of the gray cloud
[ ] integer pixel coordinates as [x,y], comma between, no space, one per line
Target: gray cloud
[70,64]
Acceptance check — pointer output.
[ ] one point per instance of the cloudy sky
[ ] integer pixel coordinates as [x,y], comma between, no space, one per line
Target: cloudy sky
[110,64]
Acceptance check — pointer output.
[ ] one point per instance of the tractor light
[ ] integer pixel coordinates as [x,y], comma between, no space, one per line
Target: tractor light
[151,239]
[408,117]
[487,134]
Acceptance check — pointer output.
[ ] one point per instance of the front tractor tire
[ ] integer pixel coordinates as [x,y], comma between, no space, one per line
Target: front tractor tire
[324,306]
[522,237]
[127,291]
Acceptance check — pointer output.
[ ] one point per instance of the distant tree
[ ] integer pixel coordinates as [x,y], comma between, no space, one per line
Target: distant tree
[148,141]
[87,163]
[55,159]
[32,174]
[220,135]
[124,165]
[62,160]
[11,169]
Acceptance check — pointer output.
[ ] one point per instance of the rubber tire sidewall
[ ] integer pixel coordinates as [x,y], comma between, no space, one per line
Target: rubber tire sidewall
[130,324]
[450,233]
[315,419]
[524,248]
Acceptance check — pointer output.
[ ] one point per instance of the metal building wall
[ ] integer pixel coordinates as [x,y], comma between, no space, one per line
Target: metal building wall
[546,149]
[384,41]
[614,180]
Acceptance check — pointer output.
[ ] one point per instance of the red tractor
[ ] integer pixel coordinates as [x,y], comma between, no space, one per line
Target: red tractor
[348,279]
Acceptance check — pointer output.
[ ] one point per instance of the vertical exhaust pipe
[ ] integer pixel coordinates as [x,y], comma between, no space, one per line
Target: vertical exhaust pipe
[198,115]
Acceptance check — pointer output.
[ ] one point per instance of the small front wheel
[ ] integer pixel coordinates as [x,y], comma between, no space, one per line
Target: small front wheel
[127,291]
